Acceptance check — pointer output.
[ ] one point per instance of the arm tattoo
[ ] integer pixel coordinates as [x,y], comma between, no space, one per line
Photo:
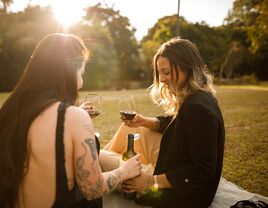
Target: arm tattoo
[92,146]
[90,142]
[114,180]
[81,173]
[90,189]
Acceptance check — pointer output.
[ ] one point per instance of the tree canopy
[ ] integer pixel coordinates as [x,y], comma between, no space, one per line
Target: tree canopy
[107,34]
[251,17]
[211,42]
[238,47]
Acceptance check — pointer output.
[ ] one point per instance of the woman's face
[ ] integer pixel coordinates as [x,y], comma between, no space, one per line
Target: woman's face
[79,74]
[166,72]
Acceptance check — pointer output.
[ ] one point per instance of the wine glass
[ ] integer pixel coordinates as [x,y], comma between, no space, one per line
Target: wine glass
[94,100]
[127,109]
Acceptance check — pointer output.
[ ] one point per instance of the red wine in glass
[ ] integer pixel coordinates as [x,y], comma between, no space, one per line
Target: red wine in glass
[127,115]
[127,107]
[94,113]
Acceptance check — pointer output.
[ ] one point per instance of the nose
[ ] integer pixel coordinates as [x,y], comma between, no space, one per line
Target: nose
[162,78]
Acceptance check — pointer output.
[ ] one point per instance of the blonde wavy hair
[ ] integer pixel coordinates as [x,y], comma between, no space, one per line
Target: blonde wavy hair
[182,54]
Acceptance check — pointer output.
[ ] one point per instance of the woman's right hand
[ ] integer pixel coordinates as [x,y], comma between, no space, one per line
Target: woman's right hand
[140,120]
[137,121]
[131,168]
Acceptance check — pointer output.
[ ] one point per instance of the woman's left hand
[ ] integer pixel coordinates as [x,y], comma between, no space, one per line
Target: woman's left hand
[138,183]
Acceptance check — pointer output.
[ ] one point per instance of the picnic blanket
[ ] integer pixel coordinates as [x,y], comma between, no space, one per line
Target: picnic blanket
[227,195]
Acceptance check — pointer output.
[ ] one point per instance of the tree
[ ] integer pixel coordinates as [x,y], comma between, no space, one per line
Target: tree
[5,4]
[211,42]
[122,36]
[101,69]
[106,33]
[17,42]
[252,17]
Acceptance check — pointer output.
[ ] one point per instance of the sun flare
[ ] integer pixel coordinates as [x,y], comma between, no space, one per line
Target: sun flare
[67,12]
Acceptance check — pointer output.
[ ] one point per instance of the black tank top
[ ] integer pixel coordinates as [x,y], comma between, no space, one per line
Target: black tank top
[66,198]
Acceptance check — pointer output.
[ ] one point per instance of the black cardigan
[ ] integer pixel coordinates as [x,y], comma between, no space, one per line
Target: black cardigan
[191,154]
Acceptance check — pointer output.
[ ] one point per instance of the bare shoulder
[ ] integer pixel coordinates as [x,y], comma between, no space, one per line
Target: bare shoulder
[76,114]
[78,120]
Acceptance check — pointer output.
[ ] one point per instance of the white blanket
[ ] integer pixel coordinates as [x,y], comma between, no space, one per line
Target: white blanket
[227,194]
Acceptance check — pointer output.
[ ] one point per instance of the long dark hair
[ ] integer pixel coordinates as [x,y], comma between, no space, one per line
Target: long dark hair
[50,76]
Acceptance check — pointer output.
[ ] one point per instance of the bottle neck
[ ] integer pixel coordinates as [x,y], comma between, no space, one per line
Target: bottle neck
[130,144]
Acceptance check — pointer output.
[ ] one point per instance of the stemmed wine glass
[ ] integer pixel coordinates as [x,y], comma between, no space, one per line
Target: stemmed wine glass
[94,101]
[127,109]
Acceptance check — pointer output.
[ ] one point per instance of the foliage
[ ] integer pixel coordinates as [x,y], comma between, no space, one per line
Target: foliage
[212,42]
[122,36]
[5,4]
[19,33]
[107,34]
[237,48]
[252,17]
[101,69]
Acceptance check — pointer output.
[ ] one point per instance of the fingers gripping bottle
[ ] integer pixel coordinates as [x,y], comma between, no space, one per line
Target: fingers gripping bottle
[129,153]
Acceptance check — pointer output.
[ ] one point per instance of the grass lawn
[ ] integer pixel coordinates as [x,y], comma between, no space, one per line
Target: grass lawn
[245,112]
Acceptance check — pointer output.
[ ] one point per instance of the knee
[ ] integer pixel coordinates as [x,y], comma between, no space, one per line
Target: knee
[109,160]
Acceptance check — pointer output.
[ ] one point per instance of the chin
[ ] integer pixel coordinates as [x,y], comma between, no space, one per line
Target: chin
[171,89]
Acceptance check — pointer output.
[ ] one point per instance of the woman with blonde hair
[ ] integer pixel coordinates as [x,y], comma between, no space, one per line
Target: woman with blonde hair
[48,151]
[187,170]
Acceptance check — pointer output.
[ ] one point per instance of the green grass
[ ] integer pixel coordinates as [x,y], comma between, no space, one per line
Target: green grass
[245,112]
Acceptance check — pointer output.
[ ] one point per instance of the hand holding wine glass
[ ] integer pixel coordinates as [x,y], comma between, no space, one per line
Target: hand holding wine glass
[92,105]
[137,121]
[127,108]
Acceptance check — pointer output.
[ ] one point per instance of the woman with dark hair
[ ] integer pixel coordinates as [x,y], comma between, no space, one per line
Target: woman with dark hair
[187,167]
[47,145]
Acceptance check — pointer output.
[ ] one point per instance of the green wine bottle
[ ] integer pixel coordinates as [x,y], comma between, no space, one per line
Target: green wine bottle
[129,153]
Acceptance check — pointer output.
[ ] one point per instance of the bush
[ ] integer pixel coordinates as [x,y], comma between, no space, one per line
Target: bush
[244,80]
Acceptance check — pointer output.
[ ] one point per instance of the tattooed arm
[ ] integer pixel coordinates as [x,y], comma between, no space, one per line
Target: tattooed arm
[89,177]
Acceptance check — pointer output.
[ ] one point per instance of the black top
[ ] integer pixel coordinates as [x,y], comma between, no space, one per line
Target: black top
[191,154]
[66,198]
